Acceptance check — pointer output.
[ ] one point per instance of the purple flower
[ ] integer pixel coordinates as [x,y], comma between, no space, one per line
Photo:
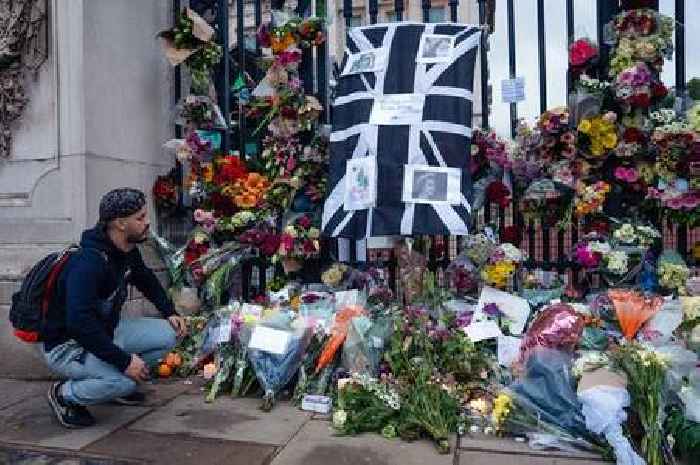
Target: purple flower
[492,310]
[464,319]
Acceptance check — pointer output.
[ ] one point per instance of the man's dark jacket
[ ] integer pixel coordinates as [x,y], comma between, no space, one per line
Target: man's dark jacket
[90,293]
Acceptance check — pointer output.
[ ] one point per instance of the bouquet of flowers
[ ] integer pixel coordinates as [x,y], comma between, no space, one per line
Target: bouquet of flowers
[165,192]
[633,309]
[646,372]
[299,240]
[598,135]
[275,369]
[540,287]
[558,139]
[641,35]
[291,31]
[672,271]
[502,265]
[191,41]
[366,405]
[590,198]
[582,53]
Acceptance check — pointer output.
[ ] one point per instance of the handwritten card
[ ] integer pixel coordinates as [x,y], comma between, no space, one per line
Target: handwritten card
[513,90]
[482,330]
[269,340]
[515,308]
[360,183]
[397,109]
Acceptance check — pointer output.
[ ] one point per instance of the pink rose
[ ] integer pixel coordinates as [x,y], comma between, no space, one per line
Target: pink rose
[626,174]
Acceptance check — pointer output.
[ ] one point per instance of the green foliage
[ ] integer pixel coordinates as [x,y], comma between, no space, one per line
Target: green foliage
[365,411]
[686,435]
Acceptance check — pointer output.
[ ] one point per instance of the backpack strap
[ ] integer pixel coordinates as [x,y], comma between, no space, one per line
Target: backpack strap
[52,278]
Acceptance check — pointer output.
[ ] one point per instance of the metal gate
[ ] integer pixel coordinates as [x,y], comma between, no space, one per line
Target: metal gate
[547,247]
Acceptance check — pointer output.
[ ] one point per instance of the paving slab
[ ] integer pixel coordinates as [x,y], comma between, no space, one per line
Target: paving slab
[316,444]
[18,359]
[34,423]
[226,418]
[160,392]
[20,455]
[484,443]
[180,449]
[15,391]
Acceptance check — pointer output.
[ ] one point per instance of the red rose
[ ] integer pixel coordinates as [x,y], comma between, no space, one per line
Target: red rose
[640,101]
[222,205]
[288,112]
[658,90]
[582,51]
[498,193]
[230,170]
[632,135]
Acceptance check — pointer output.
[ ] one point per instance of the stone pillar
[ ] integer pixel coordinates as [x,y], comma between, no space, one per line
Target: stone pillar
[99,113]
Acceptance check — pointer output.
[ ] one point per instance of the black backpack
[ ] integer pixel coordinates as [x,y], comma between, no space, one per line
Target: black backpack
[31,303]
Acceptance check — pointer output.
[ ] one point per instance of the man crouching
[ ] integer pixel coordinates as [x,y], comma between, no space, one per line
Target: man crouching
[102,358]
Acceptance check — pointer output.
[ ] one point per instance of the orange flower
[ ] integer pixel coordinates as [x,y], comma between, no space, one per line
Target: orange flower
[207,172]
[246,200]
[256,182]
[280,44]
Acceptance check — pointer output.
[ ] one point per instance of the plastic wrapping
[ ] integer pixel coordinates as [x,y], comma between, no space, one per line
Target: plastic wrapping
[604,410]
[660,327]
[547,391]
[558,326]
[339,332]
[690,396]
[633,309]
[681,363]
[364,344]
[275,370]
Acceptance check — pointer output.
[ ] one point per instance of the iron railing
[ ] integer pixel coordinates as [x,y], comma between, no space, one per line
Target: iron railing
[547,247]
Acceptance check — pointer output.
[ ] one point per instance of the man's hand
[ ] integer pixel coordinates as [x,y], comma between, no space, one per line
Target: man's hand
[178,324]
[137,369]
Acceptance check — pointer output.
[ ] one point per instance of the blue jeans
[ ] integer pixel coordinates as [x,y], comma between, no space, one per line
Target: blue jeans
[90,380]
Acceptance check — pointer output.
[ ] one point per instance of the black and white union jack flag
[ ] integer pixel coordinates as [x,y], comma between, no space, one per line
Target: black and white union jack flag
[404,101]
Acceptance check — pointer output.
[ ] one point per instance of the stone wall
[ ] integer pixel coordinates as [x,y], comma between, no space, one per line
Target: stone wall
[99,113]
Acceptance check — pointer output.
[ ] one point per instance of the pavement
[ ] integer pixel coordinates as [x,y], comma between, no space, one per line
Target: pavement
[177,427]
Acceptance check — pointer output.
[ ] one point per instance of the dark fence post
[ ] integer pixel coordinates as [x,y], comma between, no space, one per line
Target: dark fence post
[682,235]
[511,63]
[373,10]
[569,39]
[398,7]
[453,9]
[426,4]
[322,62]
[606,11]
[542,55]
[347,12]
[484,65]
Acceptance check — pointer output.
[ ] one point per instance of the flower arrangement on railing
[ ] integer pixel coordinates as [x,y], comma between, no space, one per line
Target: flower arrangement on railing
[191,41]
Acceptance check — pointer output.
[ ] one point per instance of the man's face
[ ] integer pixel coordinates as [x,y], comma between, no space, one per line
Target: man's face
[136,226]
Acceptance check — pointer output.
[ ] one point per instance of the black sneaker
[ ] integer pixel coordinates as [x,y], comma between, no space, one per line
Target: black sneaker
[135,398]
[69,415]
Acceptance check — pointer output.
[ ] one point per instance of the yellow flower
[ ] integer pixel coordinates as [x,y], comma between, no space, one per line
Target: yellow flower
[584,126]
[610,140]
[502,406]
